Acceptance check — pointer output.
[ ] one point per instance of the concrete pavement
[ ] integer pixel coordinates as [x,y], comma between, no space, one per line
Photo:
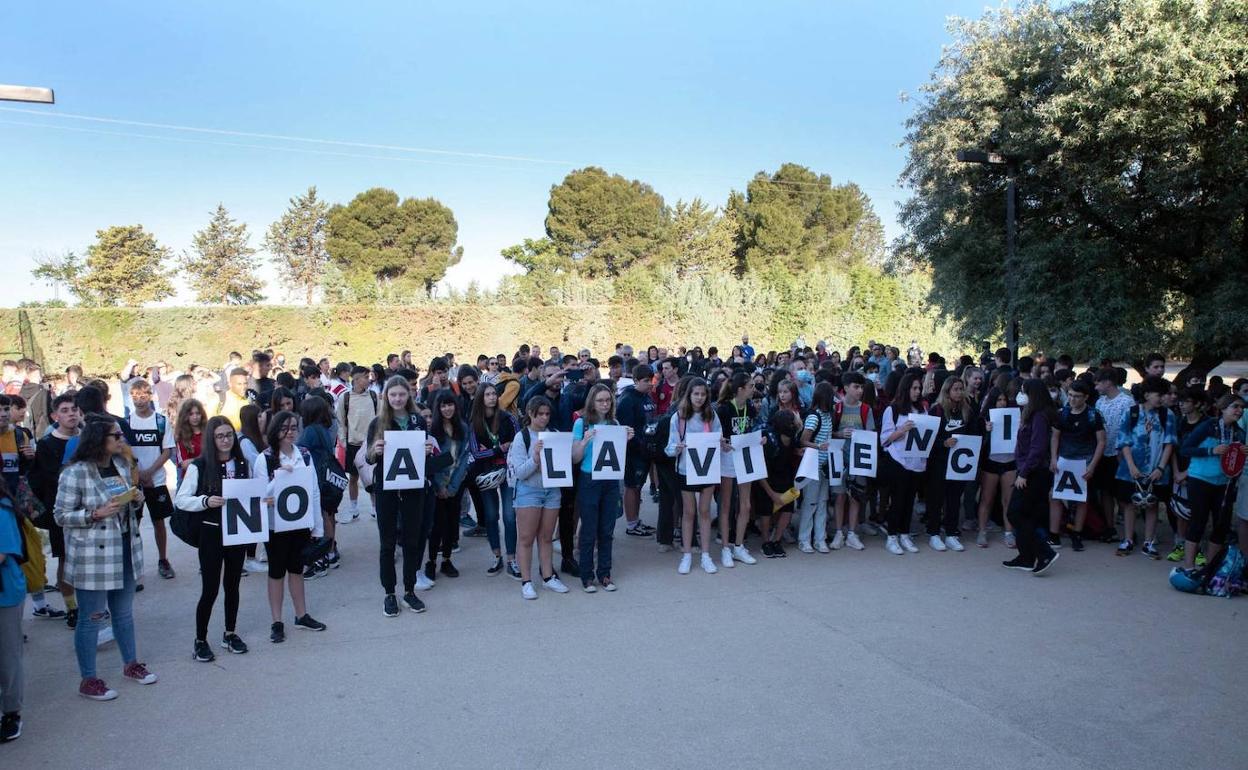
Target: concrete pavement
[849,659]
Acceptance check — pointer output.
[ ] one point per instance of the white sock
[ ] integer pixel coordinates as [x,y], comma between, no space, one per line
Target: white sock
[38,600]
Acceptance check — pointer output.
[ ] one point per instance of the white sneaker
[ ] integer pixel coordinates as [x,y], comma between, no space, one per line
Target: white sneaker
[822,547]
[343,516]
[423,583]
[664,548]
[708,564]
[553,583]
[838,540]
[805,548]
[105,636]
[742,554]
[686,563]
[254,565]
[907,543]
[528,591]
[935,543]
[725,557]
[892,546]
[852,541]
[954,544]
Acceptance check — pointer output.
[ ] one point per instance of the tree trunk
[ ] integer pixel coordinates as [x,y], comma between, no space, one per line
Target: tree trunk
[310,290]
[1204,362]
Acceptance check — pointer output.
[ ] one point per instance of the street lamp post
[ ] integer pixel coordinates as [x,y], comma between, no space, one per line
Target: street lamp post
[27,94]
[1010,162]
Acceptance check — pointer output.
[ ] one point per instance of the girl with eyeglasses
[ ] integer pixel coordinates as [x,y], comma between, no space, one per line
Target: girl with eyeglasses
[220,566]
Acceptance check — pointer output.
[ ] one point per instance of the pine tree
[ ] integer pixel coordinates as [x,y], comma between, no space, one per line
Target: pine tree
[219,268]
[297,243]
[125,266]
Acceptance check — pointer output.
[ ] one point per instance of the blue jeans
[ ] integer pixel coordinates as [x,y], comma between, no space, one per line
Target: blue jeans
[119,603]
[598,503]
[489,516]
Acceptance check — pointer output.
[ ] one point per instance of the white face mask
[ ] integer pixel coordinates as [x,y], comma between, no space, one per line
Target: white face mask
[1053,394]
[1021,399]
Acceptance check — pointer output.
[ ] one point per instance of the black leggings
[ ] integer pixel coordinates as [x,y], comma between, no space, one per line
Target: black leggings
[1029,513]
[944,502]
[445,526]
[213,556]
[401,515]
[905,485]
[1211,505]
[567,522]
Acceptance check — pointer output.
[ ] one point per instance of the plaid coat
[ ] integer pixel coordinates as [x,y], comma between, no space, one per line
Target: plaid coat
[93,549]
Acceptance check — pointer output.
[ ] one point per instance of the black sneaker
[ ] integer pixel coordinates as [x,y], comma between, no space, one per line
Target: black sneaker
[1044,562]
[513,571]
[637,531]
[138,588]
[333,560]
[449,570]
[1055,540]
[431,570]
[477,531]
[203,653]
[569,567]
[494,570]
[277,632]
[1076,541]
[71,618]
[165,569]
[233,643]
[49,613]
[654,495]
[314,570]
[1019,562]
[10,727]
[768,551]
[310,623]
[390,607]
[778,548]
[413,603]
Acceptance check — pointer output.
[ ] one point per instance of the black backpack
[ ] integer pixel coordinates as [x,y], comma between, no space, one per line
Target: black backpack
[1135,417]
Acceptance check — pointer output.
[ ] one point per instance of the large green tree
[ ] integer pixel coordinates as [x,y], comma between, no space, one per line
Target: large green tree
[296,241]
[701,240]
[219,266]
[401,244]
[1128,122]
[125,266]
[605,223]
[798,219]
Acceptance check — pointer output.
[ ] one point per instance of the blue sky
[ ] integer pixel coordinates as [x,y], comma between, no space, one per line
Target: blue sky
[692,98]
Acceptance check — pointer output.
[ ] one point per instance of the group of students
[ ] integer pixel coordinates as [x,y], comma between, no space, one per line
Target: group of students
[85,475]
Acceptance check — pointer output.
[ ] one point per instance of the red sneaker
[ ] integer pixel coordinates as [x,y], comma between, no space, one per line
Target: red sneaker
[138,672]
[95,689]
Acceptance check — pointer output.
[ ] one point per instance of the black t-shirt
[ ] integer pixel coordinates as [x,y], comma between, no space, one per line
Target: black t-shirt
[734,421]
[1078,432]
[260,391]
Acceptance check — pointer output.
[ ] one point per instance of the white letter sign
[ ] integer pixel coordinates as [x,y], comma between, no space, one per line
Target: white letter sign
[403,458]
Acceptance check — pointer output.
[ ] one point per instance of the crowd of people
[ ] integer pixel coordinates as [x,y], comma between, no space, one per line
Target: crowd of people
[81,473]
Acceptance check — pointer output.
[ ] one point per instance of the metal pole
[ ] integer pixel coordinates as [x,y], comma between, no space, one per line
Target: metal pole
[1011,279]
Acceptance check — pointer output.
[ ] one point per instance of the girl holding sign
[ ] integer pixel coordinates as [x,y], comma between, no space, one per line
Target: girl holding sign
[944,497]
[816,434]
[999,470]
[451,434]
[694,414]
[598,502]
[285,549]
[396,411]
[906,472]
[220,566]
[537,508]
[737,416]
[492,434]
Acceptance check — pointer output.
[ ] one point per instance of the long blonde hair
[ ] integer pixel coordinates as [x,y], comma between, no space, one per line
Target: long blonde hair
[946,403]
[385,414]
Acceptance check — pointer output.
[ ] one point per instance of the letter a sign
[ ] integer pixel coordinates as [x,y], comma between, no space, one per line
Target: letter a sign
[404,460]
[610,442]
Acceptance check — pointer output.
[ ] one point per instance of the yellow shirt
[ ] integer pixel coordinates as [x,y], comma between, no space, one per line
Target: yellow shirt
[230,408]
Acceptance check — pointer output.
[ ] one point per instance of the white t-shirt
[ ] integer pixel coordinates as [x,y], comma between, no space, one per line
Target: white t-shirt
[146,443]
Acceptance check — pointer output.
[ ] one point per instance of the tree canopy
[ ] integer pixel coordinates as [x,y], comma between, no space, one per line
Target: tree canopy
[402,244]
[125,266]
[605,223]
[219,267]
[1127,120]
[296,242]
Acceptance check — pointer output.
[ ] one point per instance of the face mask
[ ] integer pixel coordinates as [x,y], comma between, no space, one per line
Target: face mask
[1053,394]
[1021,399]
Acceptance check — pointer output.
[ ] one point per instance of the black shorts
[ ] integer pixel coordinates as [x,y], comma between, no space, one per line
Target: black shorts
[992,466]
[636,470]
[1123,490]
[685,486]
[1104,478]
[352,450]
[285,551]
[159,503]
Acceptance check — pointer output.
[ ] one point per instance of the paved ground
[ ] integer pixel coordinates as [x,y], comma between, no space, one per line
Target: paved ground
[851,659]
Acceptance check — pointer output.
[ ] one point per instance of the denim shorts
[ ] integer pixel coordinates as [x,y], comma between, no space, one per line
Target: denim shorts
[531,496]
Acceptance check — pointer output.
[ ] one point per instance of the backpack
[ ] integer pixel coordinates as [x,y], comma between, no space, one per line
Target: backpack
[1164,415]
[346,403]
[839,409]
